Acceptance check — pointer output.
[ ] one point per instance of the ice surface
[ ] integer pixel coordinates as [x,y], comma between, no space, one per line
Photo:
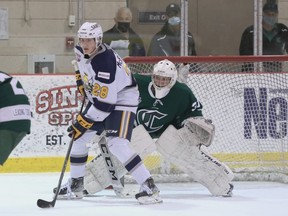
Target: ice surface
[20,192]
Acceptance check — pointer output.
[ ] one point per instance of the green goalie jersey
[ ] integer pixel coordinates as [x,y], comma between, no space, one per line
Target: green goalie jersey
[157,114]
[14,105]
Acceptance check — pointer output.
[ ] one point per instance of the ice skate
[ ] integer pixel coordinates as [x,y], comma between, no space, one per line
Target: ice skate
[73,189]
[149,193]
[229,193]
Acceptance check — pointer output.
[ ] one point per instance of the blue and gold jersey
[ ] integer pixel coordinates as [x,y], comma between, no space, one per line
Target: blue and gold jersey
[108,83]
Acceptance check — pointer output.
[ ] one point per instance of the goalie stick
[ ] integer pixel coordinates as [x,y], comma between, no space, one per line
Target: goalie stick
[46,204]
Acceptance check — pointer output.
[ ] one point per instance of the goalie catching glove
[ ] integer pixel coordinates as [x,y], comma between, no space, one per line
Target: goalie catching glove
[79,126]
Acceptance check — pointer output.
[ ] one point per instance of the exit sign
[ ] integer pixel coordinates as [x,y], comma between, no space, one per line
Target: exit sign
[151,17]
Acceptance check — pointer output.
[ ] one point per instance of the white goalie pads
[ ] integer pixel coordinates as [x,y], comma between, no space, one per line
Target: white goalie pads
[192,160]
[180,147]
[97,177]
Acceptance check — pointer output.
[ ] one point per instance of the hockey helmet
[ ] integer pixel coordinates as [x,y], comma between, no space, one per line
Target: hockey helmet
[164,77]
[91,30]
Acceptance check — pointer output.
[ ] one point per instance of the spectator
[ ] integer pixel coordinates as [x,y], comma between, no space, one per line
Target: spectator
[122,38]
[167,41]
[275,38]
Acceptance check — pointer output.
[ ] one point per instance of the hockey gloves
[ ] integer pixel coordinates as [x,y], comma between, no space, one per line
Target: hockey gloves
[79,126]
[79,83]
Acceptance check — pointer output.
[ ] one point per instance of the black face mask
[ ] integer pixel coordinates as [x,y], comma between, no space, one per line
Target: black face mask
[123,26]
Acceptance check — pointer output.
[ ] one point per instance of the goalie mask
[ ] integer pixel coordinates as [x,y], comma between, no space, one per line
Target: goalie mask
[91,30]
[164,77]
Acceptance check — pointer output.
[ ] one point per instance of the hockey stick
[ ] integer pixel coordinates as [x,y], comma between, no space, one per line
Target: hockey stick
[46,204]
[74,63]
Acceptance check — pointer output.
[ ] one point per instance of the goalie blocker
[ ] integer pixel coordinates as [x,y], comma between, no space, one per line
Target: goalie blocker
[182,148]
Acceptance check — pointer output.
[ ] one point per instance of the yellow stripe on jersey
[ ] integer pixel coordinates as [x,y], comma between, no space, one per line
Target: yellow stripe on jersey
[127,70]
[124,124]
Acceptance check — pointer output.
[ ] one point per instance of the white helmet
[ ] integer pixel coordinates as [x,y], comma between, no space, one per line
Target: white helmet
[164,68]
[91,30]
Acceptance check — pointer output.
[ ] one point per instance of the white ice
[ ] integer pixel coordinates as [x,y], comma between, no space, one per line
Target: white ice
[20,192]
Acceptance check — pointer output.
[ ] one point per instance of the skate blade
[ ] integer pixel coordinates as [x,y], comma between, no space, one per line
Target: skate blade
[69,197]
[148,200]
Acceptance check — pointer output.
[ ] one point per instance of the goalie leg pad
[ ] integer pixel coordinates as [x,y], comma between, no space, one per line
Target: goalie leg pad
[214,175]
[97,177]
[141,142]
[203,168]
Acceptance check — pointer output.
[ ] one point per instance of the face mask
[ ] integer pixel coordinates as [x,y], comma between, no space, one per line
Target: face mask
[123,26]
[174,20]
[270,20]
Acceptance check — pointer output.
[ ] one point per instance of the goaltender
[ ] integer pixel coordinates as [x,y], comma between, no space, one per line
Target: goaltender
[168,110]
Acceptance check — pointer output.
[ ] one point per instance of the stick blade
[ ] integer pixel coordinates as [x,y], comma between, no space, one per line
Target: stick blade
[45,204]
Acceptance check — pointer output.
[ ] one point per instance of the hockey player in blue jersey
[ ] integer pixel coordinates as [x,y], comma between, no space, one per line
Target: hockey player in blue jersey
[113,97]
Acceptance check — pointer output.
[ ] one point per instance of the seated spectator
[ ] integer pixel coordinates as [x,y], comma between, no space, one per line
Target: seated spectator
[121,36]
[167,41]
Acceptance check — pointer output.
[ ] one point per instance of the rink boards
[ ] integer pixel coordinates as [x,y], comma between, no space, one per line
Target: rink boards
[55,102]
